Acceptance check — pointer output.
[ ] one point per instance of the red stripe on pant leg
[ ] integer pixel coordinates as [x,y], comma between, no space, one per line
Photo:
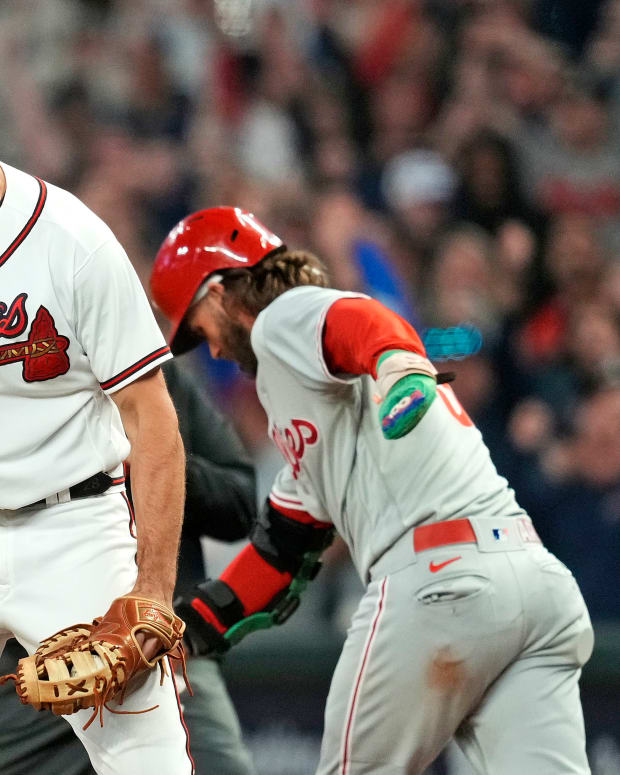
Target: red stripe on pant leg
[132,518]
[176,691]
[373,631]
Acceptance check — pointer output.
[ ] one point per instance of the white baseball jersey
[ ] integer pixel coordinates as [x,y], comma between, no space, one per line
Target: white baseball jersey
[340,468]
[67,294]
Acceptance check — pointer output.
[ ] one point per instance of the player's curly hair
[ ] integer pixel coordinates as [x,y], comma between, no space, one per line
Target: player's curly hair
[257,286]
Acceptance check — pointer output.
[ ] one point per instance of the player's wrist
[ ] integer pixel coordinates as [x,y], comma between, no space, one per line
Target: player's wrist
[208,615]
[204,635]
[161,594]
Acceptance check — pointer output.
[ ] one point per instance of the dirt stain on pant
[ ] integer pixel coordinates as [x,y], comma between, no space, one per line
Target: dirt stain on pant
[445,673]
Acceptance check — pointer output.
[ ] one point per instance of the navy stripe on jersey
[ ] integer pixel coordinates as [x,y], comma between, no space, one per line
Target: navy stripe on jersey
[38,208]
[113,381]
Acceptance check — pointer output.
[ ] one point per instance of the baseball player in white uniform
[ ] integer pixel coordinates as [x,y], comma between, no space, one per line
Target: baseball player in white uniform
[79,381]
[469,627]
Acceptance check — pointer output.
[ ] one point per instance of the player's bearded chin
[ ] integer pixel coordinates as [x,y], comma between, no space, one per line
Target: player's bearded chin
[237,347]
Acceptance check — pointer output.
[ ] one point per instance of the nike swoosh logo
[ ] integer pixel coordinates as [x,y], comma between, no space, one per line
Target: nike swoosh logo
[434,567]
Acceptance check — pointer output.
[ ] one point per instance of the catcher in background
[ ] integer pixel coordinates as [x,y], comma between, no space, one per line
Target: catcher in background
[469,627]
[220,502]
[80,389]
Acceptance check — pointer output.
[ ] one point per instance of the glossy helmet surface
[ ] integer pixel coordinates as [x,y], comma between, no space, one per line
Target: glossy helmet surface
[203,243]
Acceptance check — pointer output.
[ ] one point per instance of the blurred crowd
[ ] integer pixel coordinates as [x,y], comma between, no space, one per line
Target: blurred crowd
[457,159]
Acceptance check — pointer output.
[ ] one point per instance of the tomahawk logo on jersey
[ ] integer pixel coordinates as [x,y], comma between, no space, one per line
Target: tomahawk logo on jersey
[43,354]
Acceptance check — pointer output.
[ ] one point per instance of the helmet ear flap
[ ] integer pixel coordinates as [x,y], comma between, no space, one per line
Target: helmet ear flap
[200,245]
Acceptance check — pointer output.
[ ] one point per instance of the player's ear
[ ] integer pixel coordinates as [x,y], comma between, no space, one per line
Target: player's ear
[217,292]
[216,288]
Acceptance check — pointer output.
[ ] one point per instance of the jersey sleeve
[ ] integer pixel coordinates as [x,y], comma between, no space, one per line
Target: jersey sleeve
[357,331]
[290,330]
[114,321]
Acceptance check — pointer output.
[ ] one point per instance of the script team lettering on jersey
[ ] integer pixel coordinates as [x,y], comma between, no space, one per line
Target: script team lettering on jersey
[43,354]
[13,318]
[292,441]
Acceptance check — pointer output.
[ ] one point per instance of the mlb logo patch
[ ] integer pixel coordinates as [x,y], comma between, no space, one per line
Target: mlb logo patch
[500,533]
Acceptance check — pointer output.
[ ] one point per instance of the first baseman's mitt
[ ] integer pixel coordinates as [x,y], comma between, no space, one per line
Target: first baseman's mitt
[86,665]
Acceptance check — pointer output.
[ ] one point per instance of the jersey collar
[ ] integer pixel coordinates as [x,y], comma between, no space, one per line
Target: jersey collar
[22,205]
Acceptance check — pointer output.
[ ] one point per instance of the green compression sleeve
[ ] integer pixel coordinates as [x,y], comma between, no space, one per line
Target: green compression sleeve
[406,403]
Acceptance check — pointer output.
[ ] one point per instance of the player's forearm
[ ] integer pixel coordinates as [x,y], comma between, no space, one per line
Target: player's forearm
[262,585]
[157,480]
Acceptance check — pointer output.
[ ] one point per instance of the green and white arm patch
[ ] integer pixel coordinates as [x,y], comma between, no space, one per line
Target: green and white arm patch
[409,396]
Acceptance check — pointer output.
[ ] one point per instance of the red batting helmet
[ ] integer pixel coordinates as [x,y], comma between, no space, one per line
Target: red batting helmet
[204,242]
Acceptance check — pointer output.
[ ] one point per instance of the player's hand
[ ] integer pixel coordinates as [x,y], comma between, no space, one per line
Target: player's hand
[150,645]
[404,405]
[201,637]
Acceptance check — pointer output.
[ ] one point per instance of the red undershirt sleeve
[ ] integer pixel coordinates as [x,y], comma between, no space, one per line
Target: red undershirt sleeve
[357,331]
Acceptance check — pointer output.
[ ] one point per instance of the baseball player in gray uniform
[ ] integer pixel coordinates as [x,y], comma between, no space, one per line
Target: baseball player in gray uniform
[469,627]
[81,388]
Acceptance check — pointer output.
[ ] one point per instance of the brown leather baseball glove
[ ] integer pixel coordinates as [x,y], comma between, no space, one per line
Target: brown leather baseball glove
[86,665]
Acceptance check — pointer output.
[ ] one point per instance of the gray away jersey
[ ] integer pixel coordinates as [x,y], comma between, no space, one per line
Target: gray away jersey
[339,467]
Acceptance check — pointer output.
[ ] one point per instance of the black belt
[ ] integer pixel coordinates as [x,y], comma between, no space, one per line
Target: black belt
[96,484]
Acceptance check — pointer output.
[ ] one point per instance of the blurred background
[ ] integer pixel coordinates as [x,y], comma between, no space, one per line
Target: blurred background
[457,159]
